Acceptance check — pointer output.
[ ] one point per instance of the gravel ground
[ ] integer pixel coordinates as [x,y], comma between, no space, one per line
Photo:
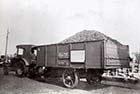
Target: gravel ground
[14,85]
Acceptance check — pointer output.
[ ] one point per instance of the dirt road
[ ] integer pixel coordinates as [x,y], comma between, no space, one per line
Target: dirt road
[14,85]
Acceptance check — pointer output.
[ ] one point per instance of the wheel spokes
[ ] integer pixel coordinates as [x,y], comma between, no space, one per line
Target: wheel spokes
[70,78]
[69,82]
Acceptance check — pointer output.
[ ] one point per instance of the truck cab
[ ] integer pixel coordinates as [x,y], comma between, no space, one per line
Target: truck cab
[24,53]
[22,59]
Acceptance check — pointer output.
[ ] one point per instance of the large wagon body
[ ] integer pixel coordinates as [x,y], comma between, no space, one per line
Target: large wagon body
[99,54]
[84,55]
[71,61]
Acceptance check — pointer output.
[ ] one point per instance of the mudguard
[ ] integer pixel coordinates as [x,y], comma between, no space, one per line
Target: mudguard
[25,61]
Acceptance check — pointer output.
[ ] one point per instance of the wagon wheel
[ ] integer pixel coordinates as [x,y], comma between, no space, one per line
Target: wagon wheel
[20,68]
[70,78]
[93,79]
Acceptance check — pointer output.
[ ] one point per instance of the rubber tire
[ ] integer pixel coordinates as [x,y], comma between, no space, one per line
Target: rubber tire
[76,79]
[90,78]
[19,72]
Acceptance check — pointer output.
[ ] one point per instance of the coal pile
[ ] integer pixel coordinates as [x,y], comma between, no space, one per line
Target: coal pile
[89,35]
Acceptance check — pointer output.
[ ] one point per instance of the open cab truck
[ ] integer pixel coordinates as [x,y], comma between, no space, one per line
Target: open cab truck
[71,61]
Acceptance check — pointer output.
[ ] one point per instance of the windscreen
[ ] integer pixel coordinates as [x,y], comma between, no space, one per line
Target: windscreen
[20,51]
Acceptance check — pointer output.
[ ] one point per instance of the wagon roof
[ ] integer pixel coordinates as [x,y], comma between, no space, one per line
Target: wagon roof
[89,35]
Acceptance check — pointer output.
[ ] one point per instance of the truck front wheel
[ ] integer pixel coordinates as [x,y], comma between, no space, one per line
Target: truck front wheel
[5,69]
[20,69]
[19,72]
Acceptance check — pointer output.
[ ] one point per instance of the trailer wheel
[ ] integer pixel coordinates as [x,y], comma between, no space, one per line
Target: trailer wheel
[93,79]
[70,78]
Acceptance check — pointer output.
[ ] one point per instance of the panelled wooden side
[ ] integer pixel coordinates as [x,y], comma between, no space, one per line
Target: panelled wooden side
[63,55]
[60,55]
[51,56]
[41,56]
[94,54]
[116,56]
[77,47]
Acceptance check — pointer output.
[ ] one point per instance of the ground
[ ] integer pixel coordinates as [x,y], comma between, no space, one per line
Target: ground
[11,84]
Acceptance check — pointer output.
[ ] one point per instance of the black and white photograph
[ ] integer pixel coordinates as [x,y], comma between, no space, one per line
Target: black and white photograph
[69,47]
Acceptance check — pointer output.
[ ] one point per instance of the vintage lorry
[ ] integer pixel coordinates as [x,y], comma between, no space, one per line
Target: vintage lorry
[71,61]
[87,59]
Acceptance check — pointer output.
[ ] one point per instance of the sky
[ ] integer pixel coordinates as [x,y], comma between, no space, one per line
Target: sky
[51,21]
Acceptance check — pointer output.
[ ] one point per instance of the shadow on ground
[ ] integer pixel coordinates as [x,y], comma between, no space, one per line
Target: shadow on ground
[83,85]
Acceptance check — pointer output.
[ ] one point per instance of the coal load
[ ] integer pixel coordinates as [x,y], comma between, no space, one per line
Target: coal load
[89,35]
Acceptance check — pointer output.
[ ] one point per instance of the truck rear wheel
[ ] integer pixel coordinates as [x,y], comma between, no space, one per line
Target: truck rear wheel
[93,79]
[70,78]
[94,76]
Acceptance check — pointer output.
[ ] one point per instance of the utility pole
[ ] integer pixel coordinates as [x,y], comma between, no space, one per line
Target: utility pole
[6,46]
[139,60]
